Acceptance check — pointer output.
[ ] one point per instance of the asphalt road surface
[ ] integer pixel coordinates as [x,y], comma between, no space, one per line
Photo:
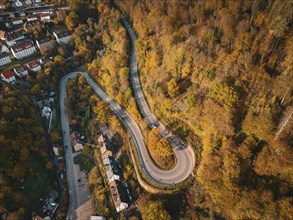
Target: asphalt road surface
[149,117]
[185,157]
[78,190]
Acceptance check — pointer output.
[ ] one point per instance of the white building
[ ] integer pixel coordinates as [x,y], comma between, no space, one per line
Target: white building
[45,16]
[20,71]
[23,50]
[62,38]
[46,112]
[28,2]
[8,76]
[4,49]
[17,3]
[34,65]
[4,59]
[111,167]
[17,21]
[32,18]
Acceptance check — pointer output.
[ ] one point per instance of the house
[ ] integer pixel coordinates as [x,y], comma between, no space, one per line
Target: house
[112,169]
[8,76]
[23,50]
[104,145]
[63,37]
[45,16]
[17,21]
[45,44]
[32,18]
[17,3]
[34,65]
[77,146]
[28,2]
[4,59]
[20,71]
[118,195]
[10,38]
[4,49]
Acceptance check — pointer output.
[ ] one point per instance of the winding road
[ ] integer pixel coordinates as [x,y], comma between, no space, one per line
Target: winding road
[184,154]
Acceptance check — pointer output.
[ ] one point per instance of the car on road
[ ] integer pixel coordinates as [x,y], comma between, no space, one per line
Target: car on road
[155,124]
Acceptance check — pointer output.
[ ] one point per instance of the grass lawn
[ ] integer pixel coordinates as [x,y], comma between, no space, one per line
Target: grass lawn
[84,162]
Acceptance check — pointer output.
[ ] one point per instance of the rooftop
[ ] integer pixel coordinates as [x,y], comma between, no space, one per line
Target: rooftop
[7,74]
[44,40]
[118,193]
[33,64]
[63,34]
[2,55]
[23,46]
[19,69]
[111,167]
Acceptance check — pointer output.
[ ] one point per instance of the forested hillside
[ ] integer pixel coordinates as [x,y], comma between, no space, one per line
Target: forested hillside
[25,174]
[220,73]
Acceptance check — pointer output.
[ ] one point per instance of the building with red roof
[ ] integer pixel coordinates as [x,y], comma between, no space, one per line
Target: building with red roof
[34,65]
[23,50]
[8,76]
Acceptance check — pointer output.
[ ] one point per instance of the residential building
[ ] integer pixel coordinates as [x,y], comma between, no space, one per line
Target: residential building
[17,3]
[118,195]
[112,169]
[4,49]
[8,76]
[17,21]
[11,38]
[20,71]
[77,146]
[23,50]
[28,2]
[45,44]
[4,59]
[104,145]
[45,16]
[32,18]
[63,37]
[34,65]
